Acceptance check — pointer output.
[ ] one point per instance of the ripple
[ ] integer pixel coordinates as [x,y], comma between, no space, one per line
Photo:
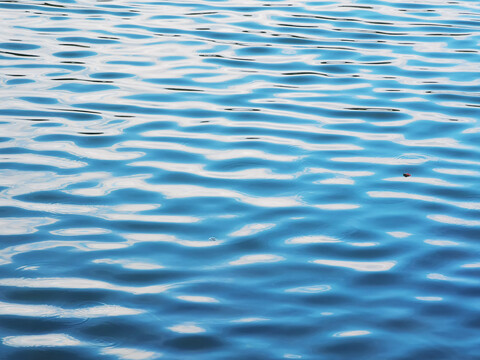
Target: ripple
[352,333]
[129,264]
[359,266]
[312,239]
[257,258]
[47,340]
[212,178]
[453,220]
[130,353]
[79,283]
[199,299]
[310,289]
[52,311]
[252,229]
[18,226]
[36,159]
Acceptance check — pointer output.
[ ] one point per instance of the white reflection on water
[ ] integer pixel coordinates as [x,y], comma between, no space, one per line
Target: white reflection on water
[249,320]
[198,169]
[310,289]
[7,253]
[474,265]
[133,238]
[47,340]
[453,220]
[399,234]
[151,218]
[211,154]
[101,211]
[251,229]
[90,153]
[441,242]
[182,191]
[439,277]
[380,160]
[264,138]
[186,191]
[188,328]
[292,356]
[461,172]
[402,195]
[20,182]
[54,311]
[79,283]
[429,298]
[363,244]
[336,181]
[35,159]
[129,264]
[351,333]
[435,142]
[346,173]
[80,231]
[337,206]
[64,340]
[130,353]
[312,239]
[257,258]
[24,225]
[423,180]
[358,265]
[198,299]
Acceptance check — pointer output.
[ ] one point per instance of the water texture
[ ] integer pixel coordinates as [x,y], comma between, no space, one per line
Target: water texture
[217,179]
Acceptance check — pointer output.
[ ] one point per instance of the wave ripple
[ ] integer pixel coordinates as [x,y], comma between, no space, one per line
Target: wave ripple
[225,179]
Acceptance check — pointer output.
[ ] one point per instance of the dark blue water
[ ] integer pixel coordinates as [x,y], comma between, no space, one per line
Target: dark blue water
[224,180]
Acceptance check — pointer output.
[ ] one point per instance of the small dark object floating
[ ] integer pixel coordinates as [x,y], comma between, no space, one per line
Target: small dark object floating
[407,174]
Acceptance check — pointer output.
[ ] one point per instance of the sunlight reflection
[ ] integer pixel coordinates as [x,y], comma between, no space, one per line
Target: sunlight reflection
[80,231]
[129,264]
[359,266]
[399,234]
[36,159]
[424,180]
[352,333]
[8,253]
[312,239]
[53,311]
[133,238]
[453,220]
[47,340]
[199,299]
[198,169]
[23,225]
[256,259]
[187,328]
[401,195]
[337,206]
[249,320]
[79,283]
[310,289]
[251,229]
[429,298]
[441,242]
[130,353]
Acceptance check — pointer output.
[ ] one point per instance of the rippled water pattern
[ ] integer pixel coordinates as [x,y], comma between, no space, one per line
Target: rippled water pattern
[224,179]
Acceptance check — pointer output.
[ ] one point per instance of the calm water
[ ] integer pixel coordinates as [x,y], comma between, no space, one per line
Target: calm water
[224,180]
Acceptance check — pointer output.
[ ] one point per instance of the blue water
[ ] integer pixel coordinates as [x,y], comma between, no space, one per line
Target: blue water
[224,180]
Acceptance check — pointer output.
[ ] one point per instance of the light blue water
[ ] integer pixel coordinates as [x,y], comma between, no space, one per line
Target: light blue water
[224,180]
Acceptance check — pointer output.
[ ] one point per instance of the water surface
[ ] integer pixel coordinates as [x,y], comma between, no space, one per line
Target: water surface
[224,180]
